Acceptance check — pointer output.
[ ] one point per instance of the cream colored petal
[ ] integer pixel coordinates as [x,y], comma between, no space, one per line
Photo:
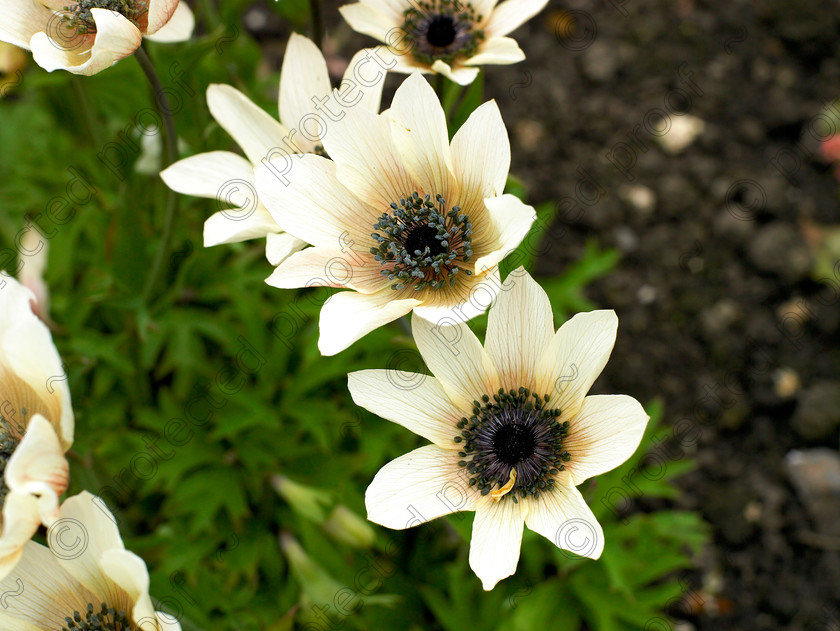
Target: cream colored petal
[37,381]
[417,487]
[563,518]
[455,356]
[364,19]
[603,434]
[367,161]
[574,359]
[420,136]
[128,571]
[496,539]
[21,20]
[511,14]
[461,304]
[221,175]
[260,136]
[160,12]
[519,329]
[116,37]
[483,135]
[312,204]
[328,267]
[415,401]
[461,76]
[38,467]
[179,28]
[512,220]
[393,9]
[497,51]
[280,245]
[303,77]
[348,316]
[168,622]
[20,521]
[361,85]
[234,225]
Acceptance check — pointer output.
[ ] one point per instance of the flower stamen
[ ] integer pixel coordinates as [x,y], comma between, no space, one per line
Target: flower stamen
[79,18]
[442,29]
[108,619]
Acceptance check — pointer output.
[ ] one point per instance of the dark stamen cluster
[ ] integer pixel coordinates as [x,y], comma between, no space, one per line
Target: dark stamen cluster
[79,18]
[442,29]
[513,431]
[421,243]
[8,443]
[108,619]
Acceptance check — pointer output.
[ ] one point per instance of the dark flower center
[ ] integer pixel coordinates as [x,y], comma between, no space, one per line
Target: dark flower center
[442,29]
[421,243]
[513,444]
[107,619]
[79,18]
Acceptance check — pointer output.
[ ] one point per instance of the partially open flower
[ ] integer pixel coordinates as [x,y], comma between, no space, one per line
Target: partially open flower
[513,430]
[36,423]
[450,37]
[88,36]
[306,100]
[86,580]
[399,215]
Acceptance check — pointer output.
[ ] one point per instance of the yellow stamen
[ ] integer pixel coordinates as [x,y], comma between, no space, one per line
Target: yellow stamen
[500,493]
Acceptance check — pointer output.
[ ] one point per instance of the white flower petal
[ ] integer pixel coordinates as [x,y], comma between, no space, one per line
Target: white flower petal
[21,520]
[361,85]
[303,78]
[348,316]
[450,305]
[128,571]
[604,434]
[455,356]
[563,517]
[21,20]
[511,14]
[328,267]
[260,136]
[160,12]
[461,76]
[234,225]
[179,28]
[222,175]
[574,359]
[497,51]
[365,19]
[417,487]
[280,245]
[512,220]
[519,329]
[496,539]
[415,401]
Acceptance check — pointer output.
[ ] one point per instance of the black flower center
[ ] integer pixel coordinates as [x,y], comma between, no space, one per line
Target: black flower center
[442,30]
[79,18]
[107,619]
[421,243]
[513,444]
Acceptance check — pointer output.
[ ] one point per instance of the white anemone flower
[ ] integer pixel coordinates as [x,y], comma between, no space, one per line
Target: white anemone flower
[87,36]
[36,422]
[449,37]
[401,216]
[306,100]
[85,575]
[513,431]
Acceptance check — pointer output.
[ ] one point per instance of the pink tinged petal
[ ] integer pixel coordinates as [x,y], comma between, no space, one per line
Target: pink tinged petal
[260,136]
[116,37]
[280,245]
[160,12]
[367,20]
[221,175]
[511,14]
[421,138]
[312,204]
[21,20]
[483,135]
[328,267]
[361,85]
[417,487]
[604,434]
[512,220]
[519,329]
[128,571]
[455,356]
[563,517]
[496,539]
[461,76]
[38,467]
[415,401]
[303,81]
[574,359]
[445,309]
[348,316]
[235,225]
[179,28]
[497,51]
[20,521]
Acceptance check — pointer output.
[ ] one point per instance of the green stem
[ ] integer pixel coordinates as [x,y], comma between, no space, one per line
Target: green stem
[171,142]
[210,14]
[317,22]
[440,87]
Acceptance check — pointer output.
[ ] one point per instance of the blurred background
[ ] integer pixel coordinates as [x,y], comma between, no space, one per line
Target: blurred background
[682,157]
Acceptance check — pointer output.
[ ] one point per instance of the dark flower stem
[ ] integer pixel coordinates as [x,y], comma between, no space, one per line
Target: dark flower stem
[317,23]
